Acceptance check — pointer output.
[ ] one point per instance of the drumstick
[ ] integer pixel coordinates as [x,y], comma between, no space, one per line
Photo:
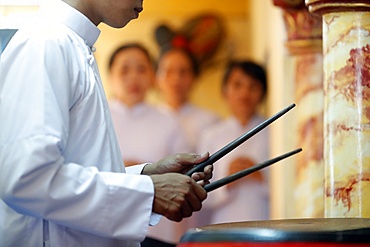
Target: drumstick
[223,181]
[232,145]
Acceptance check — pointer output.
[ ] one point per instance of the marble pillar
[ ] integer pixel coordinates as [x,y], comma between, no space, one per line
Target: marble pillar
[346,51]
[304,43]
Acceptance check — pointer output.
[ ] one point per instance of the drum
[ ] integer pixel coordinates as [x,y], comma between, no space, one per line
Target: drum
[327,232]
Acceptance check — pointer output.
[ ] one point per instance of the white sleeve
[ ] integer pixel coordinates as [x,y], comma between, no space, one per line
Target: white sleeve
[155,218]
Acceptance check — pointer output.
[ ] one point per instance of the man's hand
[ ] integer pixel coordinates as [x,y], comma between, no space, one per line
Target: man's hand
[177,196]
[181,163]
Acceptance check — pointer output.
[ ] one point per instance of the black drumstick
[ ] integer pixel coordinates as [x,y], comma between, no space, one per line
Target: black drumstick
[223,181]
[232,145]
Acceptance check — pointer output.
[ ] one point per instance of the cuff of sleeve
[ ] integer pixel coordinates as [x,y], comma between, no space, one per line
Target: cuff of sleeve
[136,169]
[154,219]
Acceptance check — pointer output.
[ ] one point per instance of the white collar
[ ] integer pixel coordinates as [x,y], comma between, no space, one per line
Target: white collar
[71,17]
[253,122]
[185,108]
[137,109]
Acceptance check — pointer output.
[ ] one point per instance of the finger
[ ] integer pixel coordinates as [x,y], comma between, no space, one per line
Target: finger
[199,192]
[197,176]
[203,182]
[194,202]
[206,175]
[186,209]
[175,217]
[208,169]
[179,209]
[190,158]
[189,161]
[201,157]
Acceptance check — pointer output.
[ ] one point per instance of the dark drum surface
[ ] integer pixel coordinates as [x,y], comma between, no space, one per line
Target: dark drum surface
[353,231]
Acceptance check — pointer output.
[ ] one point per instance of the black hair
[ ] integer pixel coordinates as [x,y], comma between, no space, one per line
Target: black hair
[251,69]
[193,61]
[126,47]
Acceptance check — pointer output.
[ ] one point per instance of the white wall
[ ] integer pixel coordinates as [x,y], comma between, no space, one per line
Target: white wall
[268,47]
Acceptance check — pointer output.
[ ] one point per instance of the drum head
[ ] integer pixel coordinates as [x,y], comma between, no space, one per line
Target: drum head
[333,230]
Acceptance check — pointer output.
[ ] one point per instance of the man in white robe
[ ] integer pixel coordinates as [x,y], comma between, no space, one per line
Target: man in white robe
[62,179]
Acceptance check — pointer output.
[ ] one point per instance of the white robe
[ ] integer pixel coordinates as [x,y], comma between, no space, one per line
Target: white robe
[246,201]
[146,134]
[62,180]
[145,131]
[193,120]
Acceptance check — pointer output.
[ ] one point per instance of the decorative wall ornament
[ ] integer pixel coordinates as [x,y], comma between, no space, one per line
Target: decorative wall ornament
[201,35]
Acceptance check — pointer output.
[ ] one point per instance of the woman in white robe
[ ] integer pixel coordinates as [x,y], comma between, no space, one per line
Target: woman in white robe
[244,87]
[137,123]
[176,76]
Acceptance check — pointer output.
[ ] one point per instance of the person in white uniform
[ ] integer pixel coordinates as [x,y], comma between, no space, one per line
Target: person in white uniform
[139,124]
[62,178]
[244,88]
[177,72]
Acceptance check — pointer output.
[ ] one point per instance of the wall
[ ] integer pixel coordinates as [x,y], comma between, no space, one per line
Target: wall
[268,47]
[206,93]
[255,30]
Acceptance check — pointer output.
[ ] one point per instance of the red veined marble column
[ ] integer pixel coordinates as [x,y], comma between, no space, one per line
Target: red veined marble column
[346,50]
[304,43]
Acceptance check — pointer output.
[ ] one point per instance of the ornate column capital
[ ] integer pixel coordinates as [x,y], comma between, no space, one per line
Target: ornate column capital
[293,4]
[304,30]
[327,6]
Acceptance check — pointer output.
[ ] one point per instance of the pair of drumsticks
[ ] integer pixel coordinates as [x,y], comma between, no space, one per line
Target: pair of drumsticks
[232,145]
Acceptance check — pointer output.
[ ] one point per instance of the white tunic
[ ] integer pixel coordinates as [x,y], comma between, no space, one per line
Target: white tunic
[246,201]
[62,179]
[146,134]
[193,120]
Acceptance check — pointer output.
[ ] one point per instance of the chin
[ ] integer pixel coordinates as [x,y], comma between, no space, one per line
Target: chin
[118,24]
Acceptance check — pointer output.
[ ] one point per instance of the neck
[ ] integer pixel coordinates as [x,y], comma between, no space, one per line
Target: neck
[84,8]
[128,103]
[175,104]
[244,119]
